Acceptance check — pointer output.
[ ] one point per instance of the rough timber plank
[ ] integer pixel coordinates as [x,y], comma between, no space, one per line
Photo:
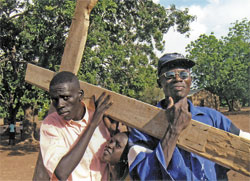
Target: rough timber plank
[33,76]
[76,40]
[219,146]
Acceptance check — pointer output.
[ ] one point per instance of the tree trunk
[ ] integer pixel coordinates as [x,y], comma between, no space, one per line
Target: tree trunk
[30,124]
[230,104]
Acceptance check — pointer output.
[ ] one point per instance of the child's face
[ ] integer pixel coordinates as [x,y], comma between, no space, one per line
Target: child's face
[114,148]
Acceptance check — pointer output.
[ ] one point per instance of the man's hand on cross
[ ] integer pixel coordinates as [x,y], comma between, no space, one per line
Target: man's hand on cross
[102,104]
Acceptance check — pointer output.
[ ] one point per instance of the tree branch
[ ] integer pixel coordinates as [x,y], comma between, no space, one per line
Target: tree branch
[19,14]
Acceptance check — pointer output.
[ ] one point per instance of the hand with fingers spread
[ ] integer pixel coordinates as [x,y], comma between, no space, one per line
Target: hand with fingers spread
[114,126]
[111,125]
[102,104]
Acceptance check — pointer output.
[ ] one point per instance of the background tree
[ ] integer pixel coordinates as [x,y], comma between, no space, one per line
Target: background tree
[223,64]
[29,33]
[119,51]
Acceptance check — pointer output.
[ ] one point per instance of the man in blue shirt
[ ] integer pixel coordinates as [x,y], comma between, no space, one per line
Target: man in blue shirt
[153,159]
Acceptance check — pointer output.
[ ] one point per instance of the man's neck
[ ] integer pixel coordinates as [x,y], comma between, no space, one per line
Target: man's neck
[165,102]
[81,112]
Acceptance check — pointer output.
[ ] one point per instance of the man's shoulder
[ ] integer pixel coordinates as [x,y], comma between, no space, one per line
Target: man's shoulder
[211,117]
[198,110]
[208,110]
[51,123]
[52,118]
[138,137]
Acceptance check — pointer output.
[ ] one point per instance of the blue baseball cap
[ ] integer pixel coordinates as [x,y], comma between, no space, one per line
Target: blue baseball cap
[172,60]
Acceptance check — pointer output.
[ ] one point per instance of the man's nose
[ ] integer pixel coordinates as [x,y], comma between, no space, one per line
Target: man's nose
[177,77]
[60,103]
[111,144]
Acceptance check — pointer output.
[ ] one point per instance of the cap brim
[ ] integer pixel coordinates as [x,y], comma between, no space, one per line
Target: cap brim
[185,63]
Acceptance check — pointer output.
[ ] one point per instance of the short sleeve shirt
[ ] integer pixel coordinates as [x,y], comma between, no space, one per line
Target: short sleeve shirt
[57,138]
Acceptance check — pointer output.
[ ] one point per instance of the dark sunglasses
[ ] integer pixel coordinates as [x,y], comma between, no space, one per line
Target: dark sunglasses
[170,75]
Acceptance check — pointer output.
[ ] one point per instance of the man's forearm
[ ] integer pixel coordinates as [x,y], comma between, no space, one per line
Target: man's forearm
[179,118]
[168,143]
[69,161]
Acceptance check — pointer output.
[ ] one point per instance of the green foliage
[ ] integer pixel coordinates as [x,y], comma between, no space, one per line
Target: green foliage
[223,64]
[119,50]
[34,34]
[118,55]
[44,108]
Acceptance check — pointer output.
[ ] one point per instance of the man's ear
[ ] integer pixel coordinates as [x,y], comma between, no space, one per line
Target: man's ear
[81,93]
[159,83]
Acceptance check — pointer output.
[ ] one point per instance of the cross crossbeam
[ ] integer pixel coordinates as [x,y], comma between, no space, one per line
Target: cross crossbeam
[214,144]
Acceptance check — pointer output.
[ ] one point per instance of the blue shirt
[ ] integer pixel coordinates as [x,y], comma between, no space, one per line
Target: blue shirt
[12,128]
[183,165]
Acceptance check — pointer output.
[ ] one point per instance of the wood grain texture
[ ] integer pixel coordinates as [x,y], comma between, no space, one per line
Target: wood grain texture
[76,40]
[217,145]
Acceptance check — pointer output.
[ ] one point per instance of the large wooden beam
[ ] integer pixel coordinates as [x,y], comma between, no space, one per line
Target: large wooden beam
[76,40]
[219,146]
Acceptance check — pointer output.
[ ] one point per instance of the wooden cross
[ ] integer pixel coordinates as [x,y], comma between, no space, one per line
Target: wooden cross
[217,145]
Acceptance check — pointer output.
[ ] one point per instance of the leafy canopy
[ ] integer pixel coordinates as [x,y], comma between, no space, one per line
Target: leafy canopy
[118,55]
[222,65]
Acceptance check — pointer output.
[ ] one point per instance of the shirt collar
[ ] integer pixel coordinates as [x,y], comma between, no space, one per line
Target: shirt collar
[88,105]
[194,109]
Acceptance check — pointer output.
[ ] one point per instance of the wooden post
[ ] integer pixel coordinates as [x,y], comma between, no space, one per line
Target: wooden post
[75,43]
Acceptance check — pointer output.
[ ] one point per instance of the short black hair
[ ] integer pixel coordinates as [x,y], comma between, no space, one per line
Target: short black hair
[63,77]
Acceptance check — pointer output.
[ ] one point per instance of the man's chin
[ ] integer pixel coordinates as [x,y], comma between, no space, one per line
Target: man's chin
[66,118]
[178,97]
[180,94]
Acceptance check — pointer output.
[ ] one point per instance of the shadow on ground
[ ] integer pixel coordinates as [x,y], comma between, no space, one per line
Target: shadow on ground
[20,148]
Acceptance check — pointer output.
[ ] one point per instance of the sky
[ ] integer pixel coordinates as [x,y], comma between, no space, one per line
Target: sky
[211,16]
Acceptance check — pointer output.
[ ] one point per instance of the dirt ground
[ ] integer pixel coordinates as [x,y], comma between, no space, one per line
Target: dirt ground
[17,163]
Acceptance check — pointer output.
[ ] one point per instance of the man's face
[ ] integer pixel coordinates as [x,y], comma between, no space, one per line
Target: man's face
[114,148]
[175,86]
[66,98]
